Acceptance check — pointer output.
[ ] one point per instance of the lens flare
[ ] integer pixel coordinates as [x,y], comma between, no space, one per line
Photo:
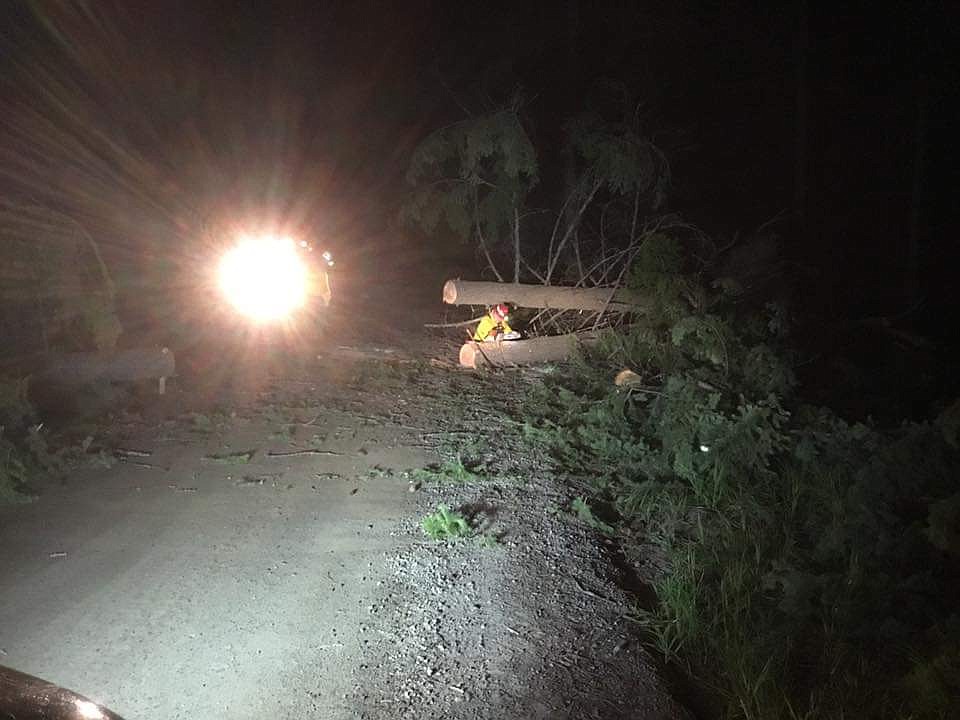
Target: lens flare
[264,278]
[88,710]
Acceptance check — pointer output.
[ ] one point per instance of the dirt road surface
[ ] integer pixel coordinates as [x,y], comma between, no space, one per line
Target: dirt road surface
[264,557]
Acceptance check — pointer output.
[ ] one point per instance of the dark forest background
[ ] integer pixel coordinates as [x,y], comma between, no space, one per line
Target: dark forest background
[833,121]
[789,452]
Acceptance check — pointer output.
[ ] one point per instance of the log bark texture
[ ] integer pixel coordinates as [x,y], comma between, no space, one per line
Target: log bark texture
[520,352]
[466,292]
[122,366]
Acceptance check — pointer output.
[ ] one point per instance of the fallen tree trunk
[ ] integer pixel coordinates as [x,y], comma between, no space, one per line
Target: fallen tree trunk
[122,366]
[520,352]
[465,292]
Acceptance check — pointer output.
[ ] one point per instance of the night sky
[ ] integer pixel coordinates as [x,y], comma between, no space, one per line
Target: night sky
[151,119]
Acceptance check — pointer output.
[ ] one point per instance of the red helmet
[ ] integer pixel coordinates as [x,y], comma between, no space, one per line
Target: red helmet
[500,312]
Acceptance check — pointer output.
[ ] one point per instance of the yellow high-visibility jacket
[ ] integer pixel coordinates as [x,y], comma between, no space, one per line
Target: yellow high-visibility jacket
[489,327]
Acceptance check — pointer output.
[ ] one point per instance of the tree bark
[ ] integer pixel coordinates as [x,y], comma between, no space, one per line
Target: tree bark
[465,292]
[520,352]
[122,366]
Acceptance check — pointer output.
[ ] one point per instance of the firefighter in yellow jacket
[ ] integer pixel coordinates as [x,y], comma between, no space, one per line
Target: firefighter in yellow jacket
[494,326]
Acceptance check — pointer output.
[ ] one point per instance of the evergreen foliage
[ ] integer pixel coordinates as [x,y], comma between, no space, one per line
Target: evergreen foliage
[474,179]
[808,556]
[472,176]
[617,154]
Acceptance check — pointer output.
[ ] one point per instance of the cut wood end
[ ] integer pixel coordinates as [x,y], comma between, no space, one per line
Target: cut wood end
[626,378]
[469,355]
[450,292]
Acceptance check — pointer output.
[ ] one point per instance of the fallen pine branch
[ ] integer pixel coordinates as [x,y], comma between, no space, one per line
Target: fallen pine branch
[141,464]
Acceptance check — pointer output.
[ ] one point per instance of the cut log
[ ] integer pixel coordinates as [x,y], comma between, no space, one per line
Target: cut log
[520,352]
[627,378]
[465,292]
[122,366]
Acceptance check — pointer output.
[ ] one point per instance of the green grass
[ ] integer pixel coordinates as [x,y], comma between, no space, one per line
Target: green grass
[488,540]
[446,524]
[584,513]
[287,433]
[451,470]
[807,559]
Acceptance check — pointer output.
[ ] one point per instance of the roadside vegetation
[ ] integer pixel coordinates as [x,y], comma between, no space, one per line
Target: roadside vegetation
[58,297]
[805,563]
[23,450]
[809,563]
[446,524]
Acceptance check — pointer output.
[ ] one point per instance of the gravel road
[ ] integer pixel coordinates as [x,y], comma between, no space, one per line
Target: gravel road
[264,558]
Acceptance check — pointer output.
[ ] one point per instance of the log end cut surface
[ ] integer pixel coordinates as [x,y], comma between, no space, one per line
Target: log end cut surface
[450,292]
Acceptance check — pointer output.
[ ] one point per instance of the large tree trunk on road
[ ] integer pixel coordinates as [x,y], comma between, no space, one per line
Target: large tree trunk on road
[122,366]
[520,352]
[464,292]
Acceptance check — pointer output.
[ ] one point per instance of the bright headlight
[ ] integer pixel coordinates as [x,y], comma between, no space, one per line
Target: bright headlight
[264,278]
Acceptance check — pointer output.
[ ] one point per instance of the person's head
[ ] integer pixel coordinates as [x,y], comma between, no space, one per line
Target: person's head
[500,312]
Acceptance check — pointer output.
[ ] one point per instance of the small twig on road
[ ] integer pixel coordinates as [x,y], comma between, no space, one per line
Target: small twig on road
[307,451]
[233,458]
[137,463]
[445,433]
[126,452]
